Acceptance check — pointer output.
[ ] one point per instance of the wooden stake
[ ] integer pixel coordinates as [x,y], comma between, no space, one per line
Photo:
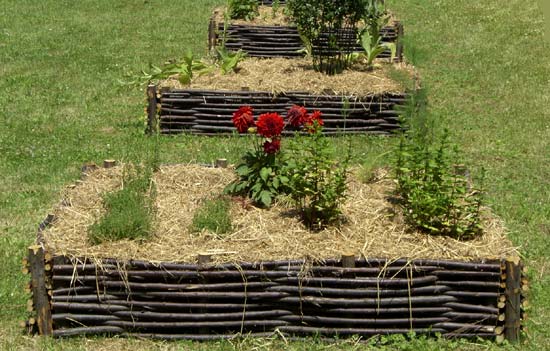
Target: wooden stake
[40,300]
[513,291]
[109,163]
[221,163]
[348,260]
[204,258]
[151,108]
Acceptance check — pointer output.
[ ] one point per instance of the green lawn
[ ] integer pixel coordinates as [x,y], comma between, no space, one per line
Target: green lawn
[485,64]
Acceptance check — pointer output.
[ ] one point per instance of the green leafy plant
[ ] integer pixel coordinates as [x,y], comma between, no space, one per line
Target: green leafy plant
[275,7]
[259,172]
[317,182]
[243,9]
[369,37]
[213,215]
[228,60]
[329,27]
[435,192]
[128,211]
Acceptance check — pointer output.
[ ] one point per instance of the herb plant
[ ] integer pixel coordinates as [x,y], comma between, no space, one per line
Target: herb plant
[317,182]
[436,195]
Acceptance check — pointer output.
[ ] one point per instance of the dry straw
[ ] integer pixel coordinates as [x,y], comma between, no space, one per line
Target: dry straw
[281,75]
[373,226]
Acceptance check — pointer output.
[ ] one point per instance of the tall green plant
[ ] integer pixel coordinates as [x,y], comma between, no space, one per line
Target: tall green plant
[436,194]
[317,182]
[375,18]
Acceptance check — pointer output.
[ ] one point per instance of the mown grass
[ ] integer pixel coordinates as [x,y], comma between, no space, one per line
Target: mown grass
[485,64]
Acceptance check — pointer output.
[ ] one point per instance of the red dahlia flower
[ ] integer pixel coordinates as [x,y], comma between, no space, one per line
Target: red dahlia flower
[273,146]
[243,118]
[313,121]
[270,125]
[296,116]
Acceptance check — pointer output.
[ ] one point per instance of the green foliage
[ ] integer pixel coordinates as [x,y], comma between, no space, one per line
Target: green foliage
[275,7]
[243,9]
[213,215]
[228,60]
[189,66]
[375,19]
[321,24]
[259,178]
[128,211]
[436,193]
[317,182]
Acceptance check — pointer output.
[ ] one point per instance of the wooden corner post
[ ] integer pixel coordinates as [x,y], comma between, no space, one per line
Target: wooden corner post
[151,108]
[513,299]
[40,298]
[399,45]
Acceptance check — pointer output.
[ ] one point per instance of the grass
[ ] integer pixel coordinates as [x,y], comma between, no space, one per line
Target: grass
[486,66]
[128,211]
[213,215]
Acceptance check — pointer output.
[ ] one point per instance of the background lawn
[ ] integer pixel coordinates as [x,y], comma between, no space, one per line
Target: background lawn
[485,64]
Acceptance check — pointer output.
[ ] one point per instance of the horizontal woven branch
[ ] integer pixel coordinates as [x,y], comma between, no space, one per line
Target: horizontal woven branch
[284,41]
[296,297]
[209,112]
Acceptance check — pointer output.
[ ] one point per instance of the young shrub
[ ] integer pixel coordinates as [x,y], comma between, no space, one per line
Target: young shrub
[436,195]
[214,216]
[128,211]
[329,29]
[243,9]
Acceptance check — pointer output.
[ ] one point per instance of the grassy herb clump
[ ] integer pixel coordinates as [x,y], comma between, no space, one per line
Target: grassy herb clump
[213,216]
[128,211]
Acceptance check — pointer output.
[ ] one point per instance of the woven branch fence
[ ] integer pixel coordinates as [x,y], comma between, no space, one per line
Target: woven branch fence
[209,112]
[284,41]
[295,298]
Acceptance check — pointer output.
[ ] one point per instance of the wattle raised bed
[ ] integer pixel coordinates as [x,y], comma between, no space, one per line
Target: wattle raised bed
[334,297]
[283,40]
[209,112]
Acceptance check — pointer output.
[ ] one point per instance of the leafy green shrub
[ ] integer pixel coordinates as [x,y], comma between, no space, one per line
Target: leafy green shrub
[128,211]
[307,171]
[436,195]
[329,28]
[317,182]
[243,9]
[214,216]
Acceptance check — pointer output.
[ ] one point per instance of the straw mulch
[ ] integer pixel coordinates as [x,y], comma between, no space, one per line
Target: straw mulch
[282,75]
[373,227]
[266,17]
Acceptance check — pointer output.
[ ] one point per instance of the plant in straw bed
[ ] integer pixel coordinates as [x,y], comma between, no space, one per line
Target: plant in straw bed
[306,171]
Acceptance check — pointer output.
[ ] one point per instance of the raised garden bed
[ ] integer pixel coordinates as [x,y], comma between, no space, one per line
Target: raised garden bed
[225,288]
[352,102]
[281,39]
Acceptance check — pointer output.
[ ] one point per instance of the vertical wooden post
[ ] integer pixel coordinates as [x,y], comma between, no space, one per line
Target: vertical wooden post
[399,44]
[513,296]
[39,292]
[151,108]
[211,33]
[348,260]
